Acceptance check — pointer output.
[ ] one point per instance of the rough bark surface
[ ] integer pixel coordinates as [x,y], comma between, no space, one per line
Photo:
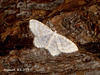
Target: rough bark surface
[78,20]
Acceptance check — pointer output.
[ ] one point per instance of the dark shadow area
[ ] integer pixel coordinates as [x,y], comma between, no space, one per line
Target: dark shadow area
[13,42]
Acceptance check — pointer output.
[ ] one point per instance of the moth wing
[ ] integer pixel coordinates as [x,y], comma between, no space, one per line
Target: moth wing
[42,41]
[38,28]
[65,45]
[52,47]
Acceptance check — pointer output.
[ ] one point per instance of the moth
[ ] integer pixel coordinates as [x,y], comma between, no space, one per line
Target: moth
[50,40]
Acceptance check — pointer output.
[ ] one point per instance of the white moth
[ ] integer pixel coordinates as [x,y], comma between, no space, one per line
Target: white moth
[52,41]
